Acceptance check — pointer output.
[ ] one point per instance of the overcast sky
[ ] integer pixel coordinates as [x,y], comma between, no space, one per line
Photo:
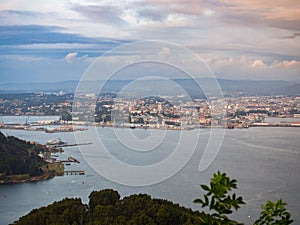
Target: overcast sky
[238,39]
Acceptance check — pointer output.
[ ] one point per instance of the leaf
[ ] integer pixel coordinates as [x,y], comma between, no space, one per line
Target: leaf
[204,187]
[212,203]
[198,201]
[206,200]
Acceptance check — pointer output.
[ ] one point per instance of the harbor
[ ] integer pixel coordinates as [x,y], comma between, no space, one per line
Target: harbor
[55,160]
[50,129]
[72,128]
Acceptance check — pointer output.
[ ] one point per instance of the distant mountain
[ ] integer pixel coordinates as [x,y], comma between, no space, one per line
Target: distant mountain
[208,85]
[66,86]
[261,87]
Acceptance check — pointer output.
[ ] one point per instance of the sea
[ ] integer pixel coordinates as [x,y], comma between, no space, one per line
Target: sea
[264,161]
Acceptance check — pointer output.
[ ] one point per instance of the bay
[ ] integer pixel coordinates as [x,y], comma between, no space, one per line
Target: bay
[264,160]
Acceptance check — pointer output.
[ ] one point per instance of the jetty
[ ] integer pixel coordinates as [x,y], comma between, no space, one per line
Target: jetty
[74,172]
[70,160]
[72,145]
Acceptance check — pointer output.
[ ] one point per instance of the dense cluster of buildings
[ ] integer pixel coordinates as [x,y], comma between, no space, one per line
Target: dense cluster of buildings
[158,112]
[175,113]
[39,104]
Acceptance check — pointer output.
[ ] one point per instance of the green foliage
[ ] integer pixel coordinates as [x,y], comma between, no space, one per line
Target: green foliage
[138,209]
[106,208]
[218,199]
[67,212]
[274,213]
[104,197]
[18,157]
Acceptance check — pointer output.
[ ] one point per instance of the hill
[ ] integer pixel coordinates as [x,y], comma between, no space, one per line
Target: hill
[106,208]
[229,87]
[19,161]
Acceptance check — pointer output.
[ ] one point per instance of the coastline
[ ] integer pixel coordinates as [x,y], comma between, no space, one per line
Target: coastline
[15,180]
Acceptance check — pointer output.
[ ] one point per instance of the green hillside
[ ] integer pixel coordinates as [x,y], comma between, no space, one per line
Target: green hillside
[19,160]
[106,208]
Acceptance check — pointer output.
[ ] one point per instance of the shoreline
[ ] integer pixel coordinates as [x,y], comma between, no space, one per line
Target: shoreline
[59,126]
[29,179]
[5,127]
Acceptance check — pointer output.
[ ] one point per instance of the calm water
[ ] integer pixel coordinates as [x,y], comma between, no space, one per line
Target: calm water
[265,161]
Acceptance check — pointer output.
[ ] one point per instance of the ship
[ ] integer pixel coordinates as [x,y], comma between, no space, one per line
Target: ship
[57,141]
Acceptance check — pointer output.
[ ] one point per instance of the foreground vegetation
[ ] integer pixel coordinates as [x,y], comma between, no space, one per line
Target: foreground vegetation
[106,208]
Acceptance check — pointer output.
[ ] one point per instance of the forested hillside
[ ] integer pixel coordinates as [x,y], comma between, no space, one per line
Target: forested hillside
[106,208]
[19,158]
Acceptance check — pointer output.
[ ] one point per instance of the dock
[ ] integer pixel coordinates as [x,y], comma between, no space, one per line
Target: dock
[72,145]
[70,160]
[74,172]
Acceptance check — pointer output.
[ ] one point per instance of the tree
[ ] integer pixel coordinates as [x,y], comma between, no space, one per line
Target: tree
[218,199]
[67,211]
[107,197]
[104,197]
[274,213]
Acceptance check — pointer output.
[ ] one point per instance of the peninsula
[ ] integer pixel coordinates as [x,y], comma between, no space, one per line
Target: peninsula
[20,161]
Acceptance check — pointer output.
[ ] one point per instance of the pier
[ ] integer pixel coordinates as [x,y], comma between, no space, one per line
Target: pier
[70,159]
[74,172]
[72,145]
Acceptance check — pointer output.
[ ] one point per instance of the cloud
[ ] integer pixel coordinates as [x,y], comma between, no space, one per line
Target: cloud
[264,32]
[288,64]
[106,14]
[245,67]
[19,13]
[32,34]
[293,36]
[71,56]
[284,15]
[152,14]
[50,42]
[258,63]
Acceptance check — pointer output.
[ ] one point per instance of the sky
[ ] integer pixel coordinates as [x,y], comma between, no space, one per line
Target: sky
[50,41]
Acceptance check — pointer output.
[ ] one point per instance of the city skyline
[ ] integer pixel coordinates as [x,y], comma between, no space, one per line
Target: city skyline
[54,41]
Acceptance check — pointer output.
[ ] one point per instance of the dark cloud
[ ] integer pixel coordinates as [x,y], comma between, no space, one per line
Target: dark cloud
[41,42]
[106,14]
[36,34]
[31,34]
